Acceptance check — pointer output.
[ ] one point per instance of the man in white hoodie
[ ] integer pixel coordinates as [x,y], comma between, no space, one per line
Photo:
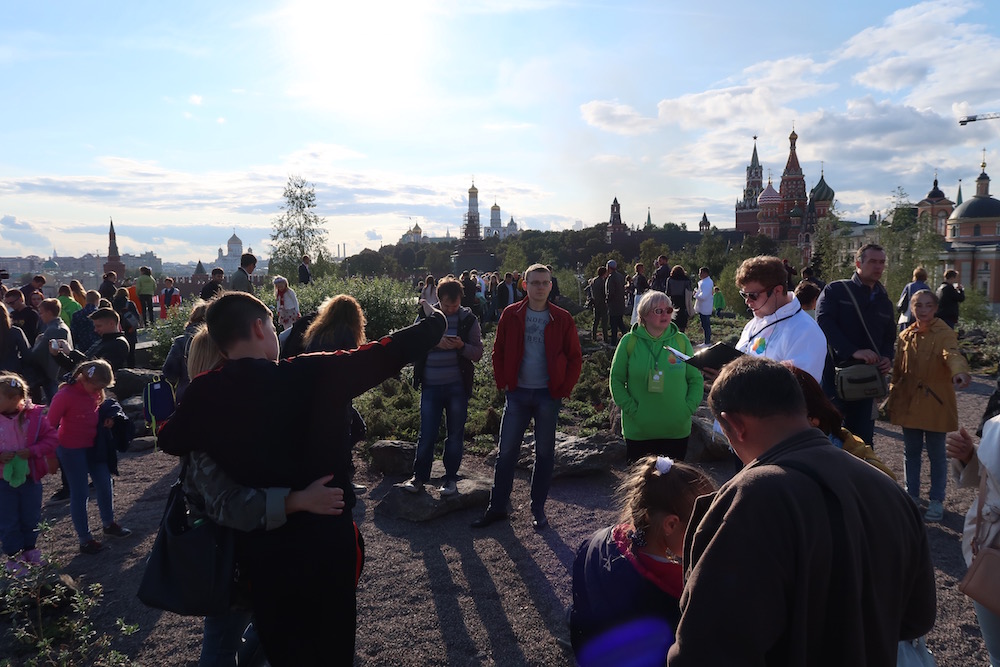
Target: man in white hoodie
[780,329]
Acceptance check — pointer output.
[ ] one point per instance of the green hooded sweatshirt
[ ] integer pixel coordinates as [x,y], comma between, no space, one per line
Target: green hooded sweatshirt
[649,415]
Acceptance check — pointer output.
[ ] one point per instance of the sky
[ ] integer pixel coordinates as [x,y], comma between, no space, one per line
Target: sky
[183,121]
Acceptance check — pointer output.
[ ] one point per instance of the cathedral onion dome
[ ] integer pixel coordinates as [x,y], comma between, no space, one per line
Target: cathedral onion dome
[935,192]
[823,192]
[234,239]
[416,229]
[473,190]
[50,265]
[495,207]
[796,212]
[769,196]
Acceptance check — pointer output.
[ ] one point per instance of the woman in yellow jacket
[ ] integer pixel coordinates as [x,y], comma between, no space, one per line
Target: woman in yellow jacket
[927,369]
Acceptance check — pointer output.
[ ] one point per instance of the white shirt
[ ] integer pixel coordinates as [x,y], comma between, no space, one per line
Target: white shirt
[787,334]
[703,296]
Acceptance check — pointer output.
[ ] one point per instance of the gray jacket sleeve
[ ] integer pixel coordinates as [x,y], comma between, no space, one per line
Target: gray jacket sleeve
[230,504]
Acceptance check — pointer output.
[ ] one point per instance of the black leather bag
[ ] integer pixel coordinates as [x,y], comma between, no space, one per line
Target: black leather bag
[192,567]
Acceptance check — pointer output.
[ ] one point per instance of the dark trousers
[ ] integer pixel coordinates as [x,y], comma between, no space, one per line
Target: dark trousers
[675,448]
[618,326]
[600,317]
[148,317]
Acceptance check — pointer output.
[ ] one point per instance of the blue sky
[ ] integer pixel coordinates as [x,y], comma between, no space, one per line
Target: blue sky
[184,121]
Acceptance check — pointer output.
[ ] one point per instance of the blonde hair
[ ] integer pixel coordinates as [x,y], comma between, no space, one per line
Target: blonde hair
[203,355]
[98,372]
[13,385]
[647,492]
[339,318]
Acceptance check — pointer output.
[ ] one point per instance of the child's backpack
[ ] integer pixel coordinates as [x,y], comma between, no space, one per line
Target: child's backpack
[158,402]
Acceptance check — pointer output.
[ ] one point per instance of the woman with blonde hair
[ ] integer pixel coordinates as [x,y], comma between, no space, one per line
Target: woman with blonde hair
[926,371]
[627,578]
[286,303]
[339,325]
[175,367]
[656,391]
[79,294]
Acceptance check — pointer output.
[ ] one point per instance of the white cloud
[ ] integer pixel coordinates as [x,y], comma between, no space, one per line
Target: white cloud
[187,115]
[196,100]
[612,116]
[220,120]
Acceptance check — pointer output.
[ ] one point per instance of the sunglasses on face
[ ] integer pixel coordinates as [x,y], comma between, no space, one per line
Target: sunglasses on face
[665,310]
[752,296]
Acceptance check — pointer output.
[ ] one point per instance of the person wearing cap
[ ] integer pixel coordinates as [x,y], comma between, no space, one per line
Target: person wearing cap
[112,347]
[614,291]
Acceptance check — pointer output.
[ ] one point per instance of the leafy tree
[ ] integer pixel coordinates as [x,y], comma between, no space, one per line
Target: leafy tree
[908,243]
[827,255]
[711,253]
[366,263]
[298,230]
[649,251]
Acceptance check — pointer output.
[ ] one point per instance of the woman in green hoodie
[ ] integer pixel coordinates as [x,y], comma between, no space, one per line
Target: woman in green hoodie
[656,391]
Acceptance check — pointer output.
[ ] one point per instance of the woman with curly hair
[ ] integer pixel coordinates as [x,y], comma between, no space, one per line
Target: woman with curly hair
[627,578]
[339,325]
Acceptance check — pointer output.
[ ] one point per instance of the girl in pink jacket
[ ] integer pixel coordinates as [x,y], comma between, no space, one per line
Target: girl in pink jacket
[27,441]
[74,412]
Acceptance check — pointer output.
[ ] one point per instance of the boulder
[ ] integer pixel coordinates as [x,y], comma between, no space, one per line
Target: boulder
[133,410]
[142,443]
[705,444]
[574,455]
[131,381]
[430,504]
[393,457]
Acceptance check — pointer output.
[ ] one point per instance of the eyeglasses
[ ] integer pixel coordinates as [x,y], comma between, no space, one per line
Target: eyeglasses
[660,311]
[540,283]
[752,296]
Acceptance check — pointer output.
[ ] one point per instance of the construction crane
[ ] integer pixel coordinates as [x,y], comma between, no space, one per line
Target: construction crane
[964,120]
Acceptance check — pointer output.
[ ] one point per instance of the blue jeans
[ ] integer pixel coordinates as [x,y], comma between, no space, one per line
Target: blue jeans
[913,445]
[989,626]
[20,513]
[433,399]
[74,463]
[222,637]
[520,407]
[706,326]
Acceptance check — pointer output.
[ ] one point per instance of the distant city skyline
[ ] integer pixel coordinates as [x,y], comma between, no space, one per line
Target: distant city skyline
[183,122]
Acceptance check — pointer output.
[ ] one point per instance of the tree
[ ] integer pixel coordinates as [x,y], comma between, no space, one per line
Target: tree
[827,256]
[298,231]
[649,251]
[908,243]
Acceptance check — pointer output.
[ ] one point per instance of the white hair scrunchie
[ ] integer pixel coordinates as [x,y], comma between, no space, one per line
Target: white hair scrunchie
[664,464]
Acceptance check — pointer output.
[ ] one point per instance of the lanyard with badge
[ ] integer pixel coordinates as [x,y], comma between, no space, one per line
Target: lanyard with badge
[654,376]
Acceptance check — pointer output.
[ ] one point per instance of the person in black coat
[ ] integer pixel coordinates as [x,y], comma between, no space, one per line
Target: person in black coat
[950,294]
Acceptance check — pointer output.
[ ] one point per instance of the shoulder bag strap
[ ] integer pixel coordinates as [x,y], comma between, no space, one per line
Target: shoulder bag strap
[857,308]
[978,538]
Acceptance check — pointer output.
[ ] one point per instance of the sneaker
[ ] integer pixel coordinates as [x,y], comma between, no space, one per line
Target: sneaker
[935,511]
[449,488]
[60,496]
[91,547]
[15,568]
[116,531]
[413,485]
[33,557]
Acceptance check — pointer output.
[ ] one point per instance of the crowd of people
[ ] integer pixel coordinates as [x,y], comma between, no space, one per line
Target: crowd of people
[683,556]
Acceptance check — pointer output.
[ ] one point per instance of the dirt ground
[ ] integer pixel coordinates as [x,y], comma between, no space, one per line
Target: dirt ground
[443,594]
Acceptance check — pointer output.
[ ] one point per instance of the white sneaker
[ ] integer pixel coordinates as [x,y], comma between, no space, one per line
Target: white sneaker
[413,485]
[449,488]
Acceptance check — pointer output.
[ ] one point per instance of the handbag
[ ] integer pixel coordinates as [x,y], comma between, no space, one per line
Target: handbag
[857,381]
[191,568]
[982,581]
[860,381]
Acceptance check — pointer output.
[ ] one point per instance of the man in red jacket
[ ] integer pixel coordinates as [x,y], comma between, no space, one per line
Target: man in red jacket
[536,361]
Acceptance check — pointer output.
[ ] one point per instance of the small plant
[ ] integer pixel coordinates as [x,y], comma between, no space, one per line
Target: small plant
[49,616]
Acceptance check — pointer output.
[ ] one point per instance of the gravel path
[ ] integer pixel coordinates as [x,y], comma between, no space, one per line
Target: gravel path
[443,594]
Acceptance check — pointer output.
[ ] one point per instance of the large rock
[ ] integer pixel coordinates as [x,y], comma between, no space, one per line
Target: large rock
[574,455]
[133,410]
[393,457]
[131,381]
[430,504]
[705,444]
